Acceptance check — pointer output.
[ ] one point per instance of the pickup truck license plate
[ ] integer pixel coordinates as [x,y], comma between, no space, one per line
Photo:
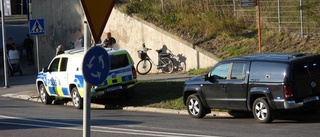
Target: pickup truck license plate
[114,88]
[311,99]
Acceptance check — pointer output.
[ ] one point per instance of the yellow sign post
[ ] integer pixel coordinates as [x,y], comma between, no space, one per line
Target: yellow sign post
[97,13]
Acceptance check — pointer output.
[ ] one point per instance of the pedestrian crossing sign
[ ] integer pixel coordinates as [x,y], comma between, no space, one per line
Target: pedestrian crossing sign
[36,27]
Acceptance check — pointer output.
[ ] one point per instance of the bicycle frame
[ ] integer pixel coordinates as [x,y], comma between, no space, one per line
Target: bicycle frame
[158,65]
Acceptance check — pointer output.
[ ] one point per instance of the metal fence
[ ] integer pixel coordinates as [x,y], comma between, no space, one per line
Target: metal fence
[294,16]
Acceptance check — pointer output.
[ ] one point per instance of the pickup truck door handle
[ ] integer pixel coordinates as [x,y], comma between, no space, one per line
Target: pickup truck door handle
[223,86]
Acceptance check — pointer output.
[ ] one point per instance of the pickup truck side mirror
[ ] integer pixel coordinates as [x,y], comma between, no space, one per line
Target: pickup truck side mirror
[205,77]
[213,78]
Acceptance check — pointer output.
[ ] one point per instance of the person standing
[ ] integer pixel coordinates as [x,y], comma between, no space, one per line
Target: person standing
[28,45]
[109,41]
[60,50]
[11,45]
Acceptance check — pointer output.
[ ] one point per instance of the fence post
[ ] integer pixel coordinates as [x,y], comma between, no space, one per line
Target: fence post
[301,18]
[279,16]
[234,8]
[162,6]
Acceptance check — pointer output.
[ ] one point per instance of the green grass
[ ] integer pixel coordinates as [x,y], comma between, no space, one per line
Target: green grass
[200,71]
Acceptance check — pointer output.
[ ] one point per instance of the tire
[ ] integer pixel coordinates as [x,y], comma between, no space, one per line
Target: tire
[76,99]
[262,111]
[194,106]
[44,96]
[168,65]
[144,67]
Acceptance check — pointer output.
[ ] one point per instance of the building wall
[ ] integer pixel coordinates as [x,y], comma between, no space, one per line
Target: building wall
[64,24]
[63,21]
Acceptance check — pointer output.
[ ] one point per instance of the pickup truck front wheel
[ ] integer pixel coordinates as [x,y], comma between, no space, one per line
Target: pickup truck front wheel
[195,107]
[262,111]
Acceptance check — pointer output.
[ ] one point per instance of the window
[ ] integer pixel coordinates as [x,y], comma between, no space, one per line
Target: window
[54,65]
[221,71]
[119,61]
[63,66]
[238,71]
[268,71]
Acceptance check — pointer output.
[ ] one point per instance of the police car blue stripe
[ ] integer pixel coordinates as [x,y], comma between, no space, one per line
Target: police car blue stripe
[65,91]
[120,71]
[51,90]
[79,81]
[126,78]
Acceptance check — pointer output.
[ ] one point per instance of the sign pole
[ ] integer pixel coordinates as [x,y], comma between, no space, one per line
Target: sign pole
[4,47]
[259,26]
[37,44]
[87,95]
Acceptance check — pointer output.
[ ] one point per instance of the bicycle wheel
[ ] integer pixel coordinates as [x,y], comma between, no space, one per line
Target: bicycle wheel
[167,65]
[143,67]
[182,67]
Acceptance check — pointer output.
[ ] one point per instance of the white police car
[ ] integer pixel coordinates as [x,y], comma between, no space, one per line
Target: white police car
[63,78]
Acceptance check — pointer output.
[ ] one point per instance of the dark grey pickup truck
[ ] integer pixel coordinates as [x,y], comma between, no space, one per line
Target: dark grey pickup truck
[261,83]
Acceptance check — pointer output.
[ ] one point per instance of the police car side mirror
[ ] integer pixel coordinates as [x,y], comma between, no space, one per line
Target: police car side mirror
[45,69]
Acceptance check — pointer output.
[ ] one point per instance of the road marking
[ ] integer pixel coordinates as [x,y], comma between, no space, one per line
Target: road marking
[101,129]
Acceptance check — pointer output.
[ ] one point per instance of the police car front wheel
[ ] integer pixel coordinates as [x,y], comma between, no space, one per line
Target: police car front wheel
[76,98]
[44,96]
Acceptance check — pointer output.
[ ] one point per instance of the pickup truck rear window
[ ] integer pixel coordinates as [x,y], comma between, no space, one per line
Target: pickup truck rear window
[268,71]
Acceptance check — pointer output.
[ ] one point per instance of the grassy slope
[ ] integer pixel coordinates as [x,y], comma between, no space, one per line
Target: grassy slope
[216,31]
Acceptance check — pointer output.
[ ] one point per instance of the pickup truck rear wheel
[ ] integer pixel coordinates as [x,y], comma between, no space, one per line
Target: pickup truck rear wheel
[195,107]
[262,111]
[44,96]
[76,98]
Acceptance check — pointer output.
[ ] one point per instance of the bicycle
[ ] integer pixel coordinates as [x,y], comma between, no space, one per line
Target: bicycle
[145,64]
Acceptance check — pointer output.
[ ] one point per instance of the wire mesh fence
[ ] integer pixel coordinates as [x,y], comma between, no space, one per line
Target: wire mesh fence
[293,16]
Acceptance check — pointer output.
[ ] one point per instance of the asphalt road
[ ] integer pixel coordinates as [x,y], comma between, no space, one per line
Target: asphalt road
[27,118]
[24,118]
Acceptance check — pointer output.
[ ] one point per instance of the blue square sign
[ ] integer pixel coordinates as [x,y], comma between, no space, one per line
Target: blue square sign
[36,27]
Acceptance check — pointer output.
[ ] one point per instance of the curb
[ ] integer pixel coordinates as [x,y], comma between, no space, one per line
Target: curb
[36,98]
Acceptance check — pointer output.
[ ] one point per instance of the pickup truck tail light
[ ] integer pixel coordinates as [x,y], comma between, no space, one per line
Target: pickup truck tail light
[288,92]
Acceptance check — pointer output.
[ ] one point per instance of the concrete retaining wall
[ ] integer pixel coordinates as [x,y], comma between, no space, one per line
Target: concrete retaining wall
[131,32]
[64,24]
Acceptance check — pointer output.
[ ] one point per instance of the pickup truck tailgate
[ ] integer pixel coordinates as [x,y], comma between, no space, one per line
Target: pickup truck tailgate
[306,75]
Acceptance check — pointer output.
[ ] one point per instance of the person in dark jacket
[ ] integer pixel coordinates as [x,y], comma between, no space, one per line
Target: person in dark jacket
[109,41]
[28,45]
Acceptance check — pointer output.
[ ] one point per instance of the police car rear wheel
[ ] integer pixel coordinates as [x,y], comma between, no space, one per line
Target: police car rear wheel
[76,99]
[44,96]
